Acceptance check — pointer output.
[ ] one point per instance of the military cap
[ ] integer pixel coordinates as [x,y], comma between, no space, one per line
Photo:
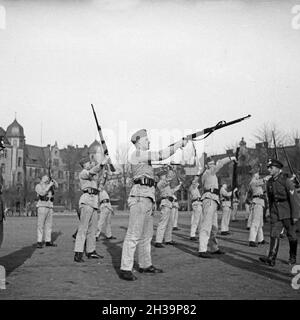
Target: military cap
[137,135]
[275,163]
[84,160]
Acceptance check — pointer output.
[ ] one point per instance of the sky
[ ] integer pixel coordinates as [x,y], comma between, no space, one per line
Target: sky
[171,67]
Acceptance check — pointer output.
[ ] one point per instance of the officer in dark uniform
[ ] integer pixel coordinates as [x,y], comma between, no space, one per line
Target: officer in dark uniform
[284,212]
[1,210]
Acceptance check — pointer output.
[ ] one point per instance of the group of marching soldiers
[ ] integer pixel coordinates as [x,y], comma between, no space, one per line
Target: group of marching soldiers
[283,207]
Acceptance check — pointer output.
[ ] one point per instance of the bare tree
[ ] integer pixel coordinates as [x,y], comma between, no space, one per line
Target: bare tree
[292,136]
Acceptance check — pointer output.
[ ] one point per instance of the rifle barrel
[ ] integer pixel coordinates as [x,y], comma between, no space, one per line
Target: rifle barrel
[103,143]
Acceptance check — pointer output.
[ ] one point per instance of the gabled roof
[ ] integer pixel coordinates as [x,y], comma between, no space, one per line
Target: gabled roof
[36,156]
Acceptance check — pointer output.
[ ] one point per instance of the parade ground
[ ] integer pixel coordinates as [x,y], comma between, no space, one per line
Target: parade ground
[51,273]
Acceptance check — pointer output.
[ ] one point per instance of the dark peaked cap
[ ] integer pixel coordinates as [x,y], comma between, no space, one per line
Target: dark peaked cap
[275,163]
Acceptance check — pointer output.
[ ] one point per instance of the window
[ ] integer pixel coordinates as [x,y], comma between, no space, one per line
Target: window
[2,168]
[19,177]
[60,175]
[30,172]
[56,162]
[19,162]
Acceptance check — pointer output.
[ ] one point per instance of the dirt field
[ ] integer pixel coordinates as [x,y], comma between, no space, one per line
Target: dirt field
[50,273]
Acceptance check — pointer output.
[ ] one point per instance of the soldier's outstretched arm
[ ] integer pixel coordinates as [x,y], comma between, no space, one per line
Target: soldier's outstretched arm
[220,163]
[163,154]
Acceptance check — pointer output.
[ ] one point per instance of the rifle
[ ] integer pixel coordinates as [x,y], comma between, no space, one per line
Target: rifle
[210,130]
[103,143]
[234,174]
[290,166]
[274,141]
[49,170]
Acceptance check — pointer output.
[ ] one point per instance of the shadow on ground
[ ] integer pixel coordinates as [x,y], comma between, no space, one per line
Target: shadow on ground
[17,258]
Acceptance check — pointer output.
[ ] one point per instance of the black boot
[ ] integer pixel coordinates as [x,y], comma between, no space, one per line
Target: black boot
[293,251]
[50,244]
[78,257]
[271,258]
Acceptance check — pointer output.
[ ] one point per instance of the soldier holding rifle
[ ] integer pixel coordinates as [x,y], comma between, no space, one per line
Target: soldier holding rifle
[141,201]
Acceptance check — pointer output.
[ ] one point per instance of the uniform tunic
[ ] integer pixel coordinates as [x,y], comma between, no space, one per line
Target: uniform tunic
[44,211]
[209,225]
[196,216]
[165,224]
[283,206]
[88,205]
[257,207]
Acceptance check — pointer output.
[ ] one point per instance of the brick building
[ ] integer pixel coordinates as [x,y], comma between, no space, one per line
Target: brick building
[22,166]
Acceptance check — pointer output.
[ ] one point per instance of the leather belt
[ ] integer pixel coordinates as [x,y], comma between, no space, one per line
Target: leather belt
[46,198]
[259,196]
[225,199]
[91,191]
[280,200]
[171,199]
[144,181]
[105,201]
[212,190]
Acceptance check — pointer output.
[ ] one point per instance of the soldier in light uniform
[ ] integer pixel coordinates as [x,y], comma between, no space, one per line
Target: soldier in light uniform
[141,202]
[284,212]
[165,224]
[257,208]
[197,208]
[45,194]
[88,205]
[106,211]
[235,204]
[210,202]
[225,197]
[175,209]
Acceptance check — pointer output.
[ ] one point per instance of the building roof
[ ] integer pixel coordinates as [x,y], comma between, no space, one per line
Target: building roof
[2,132]
[36,156]
[15,130]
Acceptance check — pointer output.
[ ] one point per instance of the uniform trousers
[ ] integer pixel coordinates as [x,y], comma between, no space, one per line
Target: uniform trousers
[104,220]
[209,226]
[139,233]
[257,221]
[277,225]
[226,212]
[175,217]
[165,225]
[196,217]
[44,223]
[234,211]
[87,229]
